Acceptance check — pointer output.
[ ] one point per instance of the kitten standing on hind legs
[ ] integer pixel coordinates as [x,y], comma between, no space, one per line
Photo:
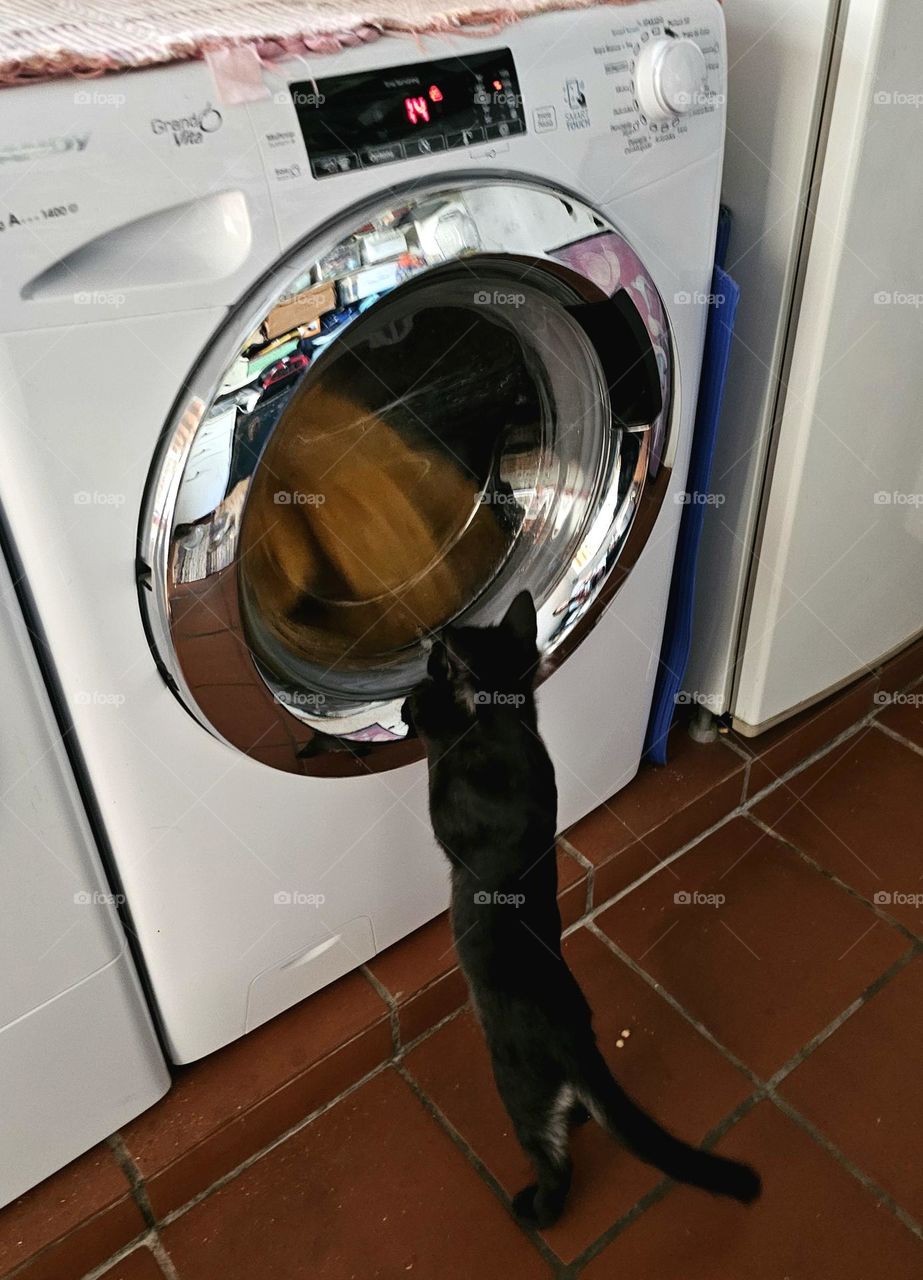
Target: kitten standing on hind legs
[493,807]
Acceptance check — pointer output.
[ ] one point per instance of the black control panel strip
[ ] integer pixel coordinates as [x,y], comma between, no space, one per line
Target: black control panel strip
[371,118]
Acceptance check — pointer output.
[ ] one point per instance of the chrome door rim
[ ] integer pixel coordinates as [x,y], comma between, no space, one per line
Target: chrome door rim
[566,616]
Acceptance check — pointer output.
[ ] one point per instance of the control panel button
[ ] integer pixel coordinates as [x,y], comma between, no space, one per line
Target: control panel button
[336,162]
[424,146]
[372,156]
[545,119]
[505,129]
[465,137]
[671,77]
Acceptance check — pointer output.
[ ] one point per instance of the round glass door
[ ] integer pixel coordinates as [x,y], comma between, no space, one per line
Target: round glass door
[437,407]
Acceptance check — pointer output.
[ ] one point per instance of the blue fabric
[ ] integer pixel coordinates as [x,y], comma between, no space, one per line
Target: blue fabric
[677,637]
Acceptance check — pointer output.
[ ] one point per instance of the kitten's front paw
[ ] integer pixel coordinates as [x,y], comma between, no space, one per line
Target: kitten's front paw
[414,708]
[407,712]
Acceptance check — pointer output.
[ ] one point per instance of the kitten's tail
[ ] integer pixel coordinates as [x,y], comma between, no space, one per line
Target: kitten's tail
[611,1106]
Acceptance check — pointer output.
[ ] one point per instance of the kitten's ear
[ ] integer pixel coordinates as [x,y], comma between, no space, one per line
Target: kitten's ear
[444,663]
[520,620]
[455,653]
[438,666]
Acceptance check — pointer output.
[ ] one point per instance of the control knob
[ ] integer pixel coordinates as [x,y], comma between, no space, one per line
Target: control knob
[670,76]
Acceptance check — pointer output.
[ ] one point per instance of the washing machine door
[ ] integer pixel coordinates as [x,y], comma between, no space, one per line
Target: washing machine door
[454,394]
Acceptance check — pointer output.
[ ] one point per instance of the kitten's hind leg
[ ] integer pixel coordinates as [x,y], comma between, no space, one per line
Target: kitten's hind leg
[542,1133]
[541,1203]
[578,1115]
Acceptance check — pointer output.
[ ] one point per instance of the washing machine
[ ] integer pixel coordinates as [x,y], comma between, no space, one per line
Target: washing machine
[79,1056]
[288,386]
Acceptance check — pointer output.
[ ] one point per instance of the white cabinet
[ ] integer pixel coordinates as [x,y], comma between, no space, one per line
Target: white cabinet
[811,569]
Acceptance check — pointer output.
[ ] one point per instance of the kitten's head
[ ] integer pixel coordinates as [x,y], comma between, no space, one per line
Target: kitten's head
[489,660]
[471,669]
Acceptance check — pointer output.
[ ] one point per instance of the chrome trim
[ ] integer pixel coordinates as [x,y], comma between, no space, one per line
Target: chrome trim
[559,245]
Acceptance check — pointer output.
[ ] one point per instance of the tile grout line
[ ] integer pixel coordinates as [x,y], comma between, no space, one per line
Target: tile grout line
[390,1004]
[142,1241]
[826,1032]
[898,737]
[897,925]
[590,870]
[654,1196]
[744,783]
[733,1118]
[129,1167]
[744,795]
[746,756]
[116,1144]
[590,892]
[425,1035]
[477,1164]
[575,853]
[860,1175]
[158,1249]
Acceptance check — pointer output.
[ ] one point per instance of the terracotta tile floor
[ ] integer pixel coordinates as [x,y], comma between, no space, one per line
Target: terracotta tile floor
[751,916]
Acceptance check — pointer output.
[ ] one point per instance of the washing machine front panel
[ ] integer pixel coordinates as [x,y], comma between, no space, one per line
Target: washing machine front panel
[420,414]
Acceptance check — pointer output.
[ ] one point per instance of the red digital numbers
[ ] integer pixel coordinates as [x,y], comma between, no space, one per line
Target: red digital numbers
[417,110]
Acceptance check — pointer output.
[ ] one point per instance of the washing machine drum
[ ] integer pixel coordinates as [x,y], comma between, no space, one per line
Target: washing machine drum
[448,398]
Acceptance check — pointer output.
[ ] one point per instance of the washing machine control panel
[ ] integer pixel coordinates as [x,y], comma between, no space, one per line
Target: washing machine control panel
[371,118]
[662,70]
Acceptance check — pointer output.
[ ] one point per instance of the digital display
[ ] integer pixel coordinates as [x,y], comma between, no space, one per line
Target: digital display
[397,113]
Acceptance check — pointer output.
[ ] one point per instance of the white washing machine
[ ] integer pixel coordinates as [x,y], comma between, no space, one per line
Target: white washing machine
[290,385]
[79,1056]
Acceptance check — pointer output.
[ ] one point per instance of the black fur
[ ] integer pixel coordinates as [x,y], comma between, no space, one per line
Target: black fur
[493,806]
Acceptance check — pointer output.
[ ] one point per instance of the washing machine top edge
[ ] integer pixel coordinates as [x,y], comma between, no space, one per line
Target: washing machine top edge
[218,192]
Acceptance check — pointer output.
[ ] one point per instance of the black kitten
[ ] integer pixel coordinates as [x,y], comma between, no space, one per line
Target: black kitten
[493,806]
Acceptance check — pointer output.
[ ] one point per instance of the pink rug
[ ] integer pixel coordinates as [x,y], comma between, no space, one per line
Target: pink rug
[41,39]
